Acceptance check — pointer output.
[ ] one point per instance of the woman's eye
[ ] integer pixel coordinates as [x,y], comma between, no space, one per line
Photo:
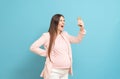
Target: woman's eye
[62,20]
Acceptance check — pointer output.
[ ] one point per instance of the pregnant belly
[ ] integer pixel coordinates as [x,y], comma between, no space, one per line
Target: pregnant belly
[61,61]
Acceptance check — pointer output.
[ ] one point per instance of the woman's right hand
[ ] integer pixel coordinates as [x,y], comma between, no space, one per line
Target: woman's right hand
[80,23]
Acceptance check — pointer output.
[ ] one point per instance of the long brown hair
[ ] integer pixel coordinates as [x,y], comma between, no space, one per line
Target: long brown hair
[53,31]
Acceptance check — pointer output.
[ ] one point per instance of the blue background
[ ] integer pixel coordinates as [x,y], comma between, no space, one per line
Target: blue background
[23,21]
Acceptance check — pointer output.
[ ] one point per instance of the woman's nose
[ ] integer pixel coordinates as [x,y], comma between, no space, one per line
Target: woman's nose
[63,21]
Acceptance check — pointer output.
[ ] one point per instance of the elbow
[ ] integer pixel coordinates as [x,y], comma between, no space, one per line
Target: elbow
[31,48]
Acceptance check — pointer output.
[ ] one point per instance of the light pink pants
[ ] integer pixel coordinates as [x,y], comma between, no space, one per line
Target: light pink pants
[59,74]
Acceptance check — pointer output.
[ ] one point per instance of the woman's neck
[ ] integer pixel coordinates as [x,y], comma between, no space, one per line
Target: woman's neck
[59,32]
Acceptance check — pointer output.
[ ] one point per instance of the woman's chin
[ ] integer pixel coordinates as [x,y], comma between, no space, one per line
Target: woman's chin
[62,29]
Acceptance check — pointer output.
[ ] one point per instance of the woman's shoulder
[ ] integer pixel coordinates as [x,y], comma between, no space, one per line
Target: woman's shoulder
[65,32]
[46,34]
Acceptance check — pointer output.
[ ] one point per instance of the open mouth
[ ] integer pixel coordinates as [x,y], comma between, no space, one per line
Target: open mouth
[62,26]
